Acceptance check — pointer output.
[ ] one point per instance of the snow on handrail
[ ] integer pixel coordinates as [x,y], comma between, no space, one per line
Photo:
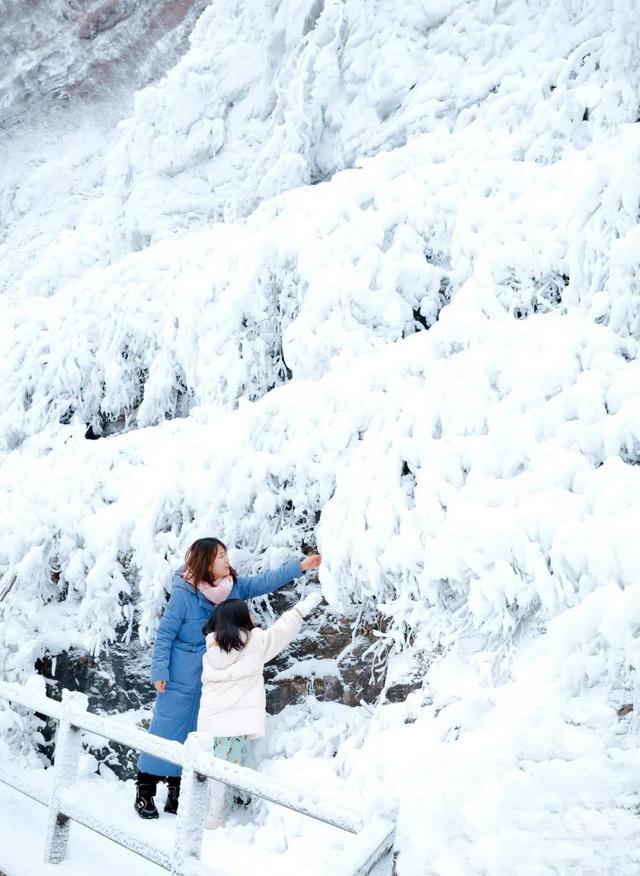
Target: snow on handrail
[203,762]
[17,782]
[107,727]
[97,825]
[259,785]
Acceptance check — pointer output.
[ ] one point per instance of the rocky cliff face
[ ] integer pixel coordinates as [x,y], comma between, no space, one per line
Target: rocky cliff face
[54,51]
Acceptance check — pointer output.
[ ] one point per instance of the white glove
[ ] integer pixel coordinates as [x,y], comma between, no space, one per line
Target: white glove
[312,600]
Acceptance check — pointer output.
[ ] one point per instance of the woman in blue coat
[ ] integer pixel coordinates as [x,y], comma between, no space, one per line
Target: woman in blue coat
[204,581]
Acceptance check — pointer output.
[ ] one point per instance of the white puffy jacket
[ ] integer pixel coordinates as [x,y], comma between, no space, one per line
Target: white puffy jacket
[233,696]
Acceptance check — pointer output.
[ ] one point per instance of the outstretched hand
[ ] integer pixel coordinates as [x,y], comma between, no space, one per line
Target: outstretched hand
[310,562]
[312,600]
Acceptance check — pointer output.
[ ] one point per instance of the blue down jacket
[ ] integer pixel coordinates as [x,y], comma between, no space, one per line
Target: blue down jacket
[177,656]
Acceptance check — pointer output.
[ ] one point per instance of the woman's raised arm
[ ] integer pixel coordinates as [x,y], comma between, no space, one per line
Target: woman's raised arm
[249,586]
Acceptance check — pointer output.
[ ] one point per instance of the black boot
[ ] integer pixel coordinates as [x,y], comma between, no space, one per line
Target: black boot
[146,785]
[173,794]
[241,798]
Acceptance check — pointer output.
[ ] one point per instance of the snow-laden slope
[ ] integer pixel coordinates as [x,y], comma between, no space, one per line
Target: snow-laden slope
[448,474]
[435,351]
[327,273]
[273,96]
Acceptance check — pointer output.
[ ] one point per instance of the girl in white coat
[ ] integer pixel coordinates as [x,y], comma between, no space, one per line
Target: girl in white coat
[233,703]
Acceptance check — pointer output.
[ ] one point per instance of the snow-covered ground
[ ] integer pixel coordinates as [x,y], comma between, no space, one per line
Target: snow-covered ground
[387,273]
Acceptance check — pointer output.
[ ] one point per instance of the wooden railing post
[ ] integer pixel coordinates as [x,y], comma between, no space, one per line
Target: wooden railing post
[68,746]
[194,799]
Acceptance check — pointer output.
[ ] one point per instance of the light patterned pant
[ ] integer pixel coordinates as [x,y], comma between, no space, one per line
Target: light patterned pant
[231,749]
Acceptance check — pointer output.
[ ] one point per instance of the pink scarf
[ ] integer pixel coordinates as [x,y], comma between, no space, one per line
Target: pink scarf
[217,592]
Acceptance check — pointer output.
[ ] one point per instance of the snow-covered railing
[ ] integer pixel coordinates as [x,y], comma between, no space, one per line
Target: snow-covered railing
[198,764]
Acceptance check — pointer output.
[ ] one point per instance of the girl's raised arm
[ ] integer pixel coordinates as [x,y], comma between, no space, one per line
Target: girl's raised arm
[287,627]
[281,634]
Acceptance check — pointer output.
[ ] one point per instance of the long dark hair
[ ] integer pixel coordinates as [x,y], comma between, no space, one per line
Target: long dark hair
[199,558]
[228,622]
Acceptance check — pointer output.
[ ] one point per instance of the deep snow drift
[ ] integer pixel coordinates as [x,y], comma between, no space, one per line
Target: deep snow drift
[376,263]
